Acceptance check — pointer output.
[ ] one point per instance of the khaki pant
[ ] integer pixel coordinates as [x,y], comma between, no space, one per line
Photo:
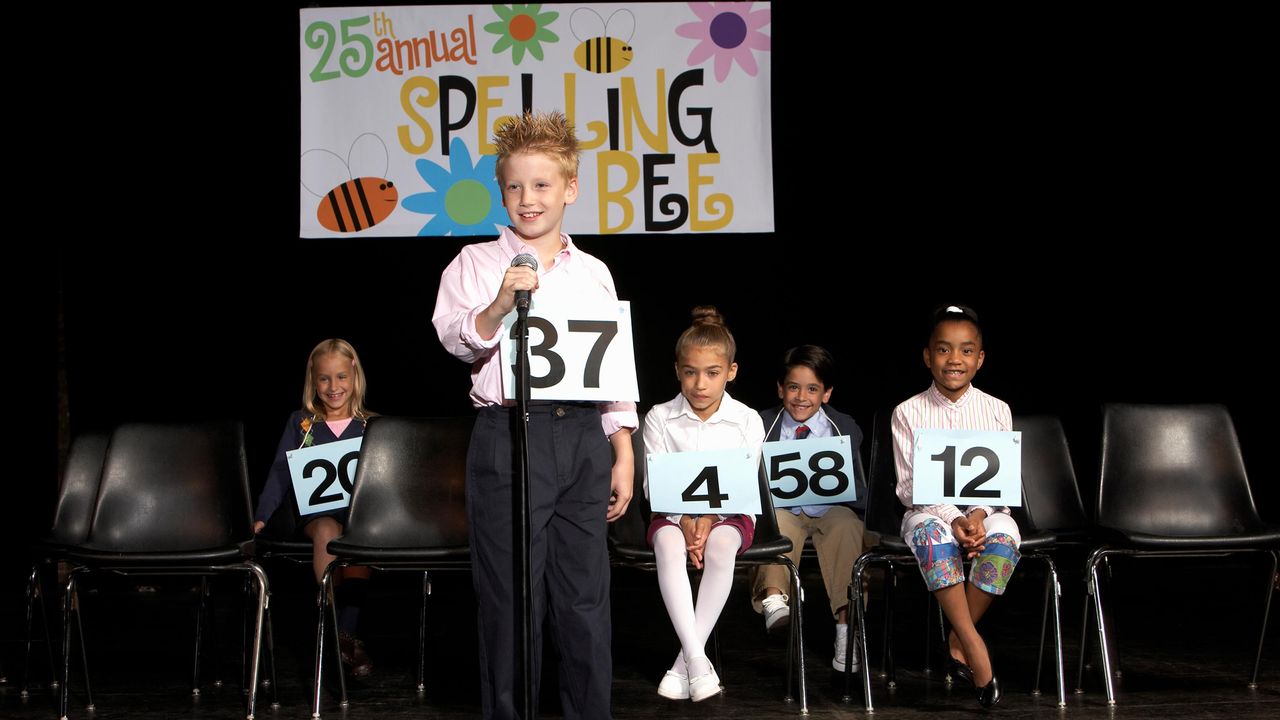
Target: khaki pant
[837,536]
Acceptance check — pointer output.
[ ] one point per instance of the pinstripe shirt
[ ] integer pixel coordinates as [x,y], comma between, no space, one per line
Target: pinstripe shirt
[931,410]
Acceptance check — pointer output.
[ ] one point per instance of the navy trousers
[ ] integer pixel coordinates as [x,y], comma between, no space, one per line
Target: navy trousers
[569,467]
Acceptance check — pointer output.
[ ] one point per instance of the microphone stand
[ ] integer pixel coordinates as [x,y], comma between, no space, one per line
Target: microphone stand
[524,639]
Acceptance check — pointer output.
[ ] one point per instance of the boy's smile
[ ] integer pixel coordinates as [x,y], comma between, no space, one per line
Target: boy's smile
[802,393]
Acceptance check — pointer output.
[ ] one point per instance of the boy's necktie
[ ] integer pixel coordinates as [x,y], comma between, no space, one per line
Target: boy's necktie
[802,432]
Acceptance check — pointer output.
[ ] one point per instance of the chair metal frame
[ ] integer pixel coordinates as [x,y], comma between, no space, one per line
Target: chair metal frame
[1131,542]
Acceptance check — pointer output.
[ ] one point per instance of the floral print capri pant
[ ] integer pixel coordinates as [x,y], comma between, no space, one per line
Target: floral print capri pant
[942,560]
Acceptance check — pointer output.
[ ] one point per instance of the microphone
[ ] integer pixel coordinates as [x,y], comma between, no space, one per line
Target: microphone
[531,262]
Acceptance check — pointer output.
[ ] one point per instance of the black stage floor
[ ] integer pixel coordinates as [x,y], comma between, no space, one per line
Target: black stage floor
[1185,647]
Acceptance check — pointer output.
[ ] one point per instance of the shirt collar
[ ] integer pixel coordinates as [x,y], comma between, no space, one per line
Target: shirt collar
[817,423]
[512,242]
[936,395]
[683,408]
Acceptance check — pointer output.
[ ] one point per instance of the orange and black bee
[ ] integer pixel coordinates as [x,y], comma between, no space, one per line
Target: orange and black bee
[598,52]
[356,198]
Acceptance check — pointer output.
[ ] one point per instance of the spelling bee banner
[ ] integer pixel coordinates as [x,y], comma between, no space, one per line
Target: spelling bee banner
[670,102]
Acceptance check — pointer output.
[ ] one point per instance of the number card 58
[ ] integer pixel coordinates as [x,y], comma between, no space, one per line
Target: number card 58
[323,475]
[967,467]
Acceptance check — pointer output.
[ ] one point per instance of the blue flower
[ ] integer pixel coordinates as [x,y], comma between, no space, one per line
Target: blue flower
[465,200]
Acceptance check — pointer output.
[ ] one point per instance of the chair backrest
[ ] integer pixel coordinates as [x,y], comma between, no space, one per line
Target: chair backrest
[74,512]
[1050,495]
[173,487]
[1173,470]
[884,512]
[410,484]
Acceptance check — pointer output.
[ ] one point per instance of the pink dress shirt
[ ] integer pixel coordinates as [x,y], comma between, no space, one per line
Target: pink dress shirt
[469,284]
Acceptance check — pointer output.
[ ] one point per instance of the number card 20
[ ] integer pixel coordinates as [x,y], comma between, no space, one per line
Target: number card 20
[967,467]
[323,475]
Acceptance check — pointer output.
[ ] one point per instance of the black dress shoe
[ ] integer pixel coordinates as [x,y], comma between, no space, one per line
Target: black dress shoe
[990,694]
[959,670]
[354,655]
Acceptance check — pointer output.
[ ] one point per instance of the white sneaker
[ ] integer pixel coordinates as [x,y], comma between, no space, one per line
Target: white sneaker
[842,645]
[704,686]
[674,686]
[776,613]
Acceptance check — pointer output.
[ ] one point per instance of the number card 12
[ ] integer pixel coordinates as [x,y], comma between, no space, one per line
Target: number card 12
[967,467]
[323,475]
[813,471]
[704,482]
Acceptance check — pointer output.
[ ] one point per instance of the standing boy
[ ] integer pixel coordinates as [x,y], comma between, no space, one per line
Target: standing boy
[575,482]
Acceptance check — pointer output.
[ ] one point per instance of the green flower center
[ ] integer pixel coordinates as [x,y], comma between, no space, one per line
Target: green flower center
[467,202]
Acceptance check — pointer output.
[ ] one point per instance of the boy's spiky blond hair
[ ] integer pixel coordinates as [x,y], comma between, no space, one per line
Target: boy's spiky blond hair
[548,133]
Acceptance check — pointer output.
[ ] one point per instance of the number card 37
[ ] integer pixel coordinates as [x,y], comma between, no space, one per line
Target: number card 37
[575,353]
[967,467]
[323,475]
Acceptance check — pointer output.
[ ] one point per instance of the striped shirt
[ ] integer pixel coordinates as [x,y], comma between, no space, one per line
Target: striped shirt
[931,410]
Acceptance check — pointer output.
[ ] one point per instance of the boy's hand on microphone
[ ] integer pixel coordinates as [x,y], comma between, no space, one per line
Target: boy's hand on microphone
[517,277]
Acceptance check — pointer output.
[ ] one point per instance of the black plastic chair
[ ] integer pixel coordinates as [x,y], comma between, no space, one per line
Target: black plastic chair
[629,547]
[71,518]
[1045,462]
[173,500]
[408,512]
[1051,509]
[884,517]
[1173,484]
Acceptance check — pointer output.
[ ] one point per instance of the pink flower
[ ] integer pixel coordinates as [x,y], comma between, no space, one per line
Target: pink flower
[729,31]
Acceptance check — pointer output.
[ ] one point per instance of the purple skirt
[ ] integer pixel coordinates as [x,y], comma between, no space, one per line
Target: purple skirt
[742,523]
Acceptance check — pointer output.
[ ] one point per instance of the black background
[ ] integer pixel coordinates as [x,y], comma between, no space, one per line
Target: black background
[1093,185]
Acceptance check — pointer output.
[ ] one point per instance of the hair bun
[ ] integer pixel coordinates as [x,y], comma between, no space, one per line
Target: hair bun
[707,315]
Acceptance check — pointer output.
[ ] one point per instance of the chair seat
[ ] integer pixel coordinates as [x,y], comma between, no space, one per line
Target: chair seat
[186,558]
[267,547]
[351,551]
[1038,540]
[1268,536]
[767,550]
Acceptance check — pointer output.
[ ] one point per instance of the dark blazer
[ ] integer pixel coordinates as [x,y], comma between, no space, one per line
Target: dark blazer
[846,425]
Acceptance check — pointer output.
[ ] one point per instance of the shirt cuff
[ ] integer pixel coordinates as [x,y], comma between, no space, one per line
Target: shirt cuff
[617,415]
[471,338]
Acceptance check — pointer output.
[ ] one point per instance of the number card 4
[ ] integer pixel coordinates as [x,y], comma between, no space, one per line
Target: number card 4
[704,482]
[813,471]
[967,467]
[323,475]
[575,353]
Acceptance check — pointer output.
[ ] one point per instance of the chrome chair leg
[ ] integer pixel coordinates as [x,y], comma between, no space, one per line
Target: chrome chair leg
[1273,581]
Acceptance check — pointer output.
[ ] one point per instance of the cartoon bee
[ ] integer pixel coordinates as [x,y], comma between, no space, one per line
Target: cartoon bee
[358,196]
[601,53]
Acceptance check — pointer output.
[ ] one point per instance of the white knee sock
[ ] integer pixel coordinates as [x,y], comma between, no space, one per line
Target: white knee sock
[677,595]
[717,579]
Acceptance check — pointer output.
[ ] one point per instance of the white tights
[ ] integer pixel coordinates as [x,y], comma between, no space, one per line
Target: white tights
[693,625]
